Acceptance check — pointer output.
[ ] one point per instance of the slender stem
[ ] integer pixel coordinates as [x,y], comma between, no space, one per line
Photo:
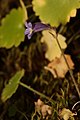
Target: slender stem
[35,91]
[70,71]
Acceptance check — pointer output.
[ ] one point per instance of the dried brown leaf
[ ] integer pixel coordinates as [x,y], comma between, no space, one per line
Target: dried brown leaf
[58,66]
[42,108]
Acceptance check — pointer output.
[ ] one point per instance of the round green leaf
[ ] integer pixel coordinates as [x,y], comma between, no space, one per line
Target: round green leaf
[12,86]
[12,28]
[54,12]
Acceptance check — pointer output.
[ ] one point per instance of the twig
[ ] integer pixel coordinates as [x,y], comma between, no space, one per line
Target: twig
[70,71]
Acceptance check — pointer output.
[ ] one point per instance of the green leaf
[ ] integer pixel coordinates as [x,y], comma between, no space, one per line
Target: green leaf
[55,12]
[12,28]
[12,86]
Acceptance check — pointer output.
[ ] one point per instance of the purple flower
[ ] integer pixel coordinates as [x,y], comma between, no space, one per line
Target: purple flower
[31,29]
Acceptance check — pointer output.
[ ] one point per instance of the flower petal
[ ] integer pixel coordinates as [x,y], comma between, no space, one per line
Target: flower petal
[29,25]
[40,26]
[27,31]
[29,36]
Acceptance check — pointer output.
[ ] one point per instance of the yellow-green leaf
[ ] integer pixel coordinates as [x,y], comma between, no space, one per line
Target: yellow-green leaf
[53,49]
[12,86]
[55,12]
[12,28]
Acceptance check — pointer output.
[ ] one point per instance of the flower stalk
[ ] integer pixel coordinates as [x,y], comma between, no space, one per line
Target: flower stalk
[70,71]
